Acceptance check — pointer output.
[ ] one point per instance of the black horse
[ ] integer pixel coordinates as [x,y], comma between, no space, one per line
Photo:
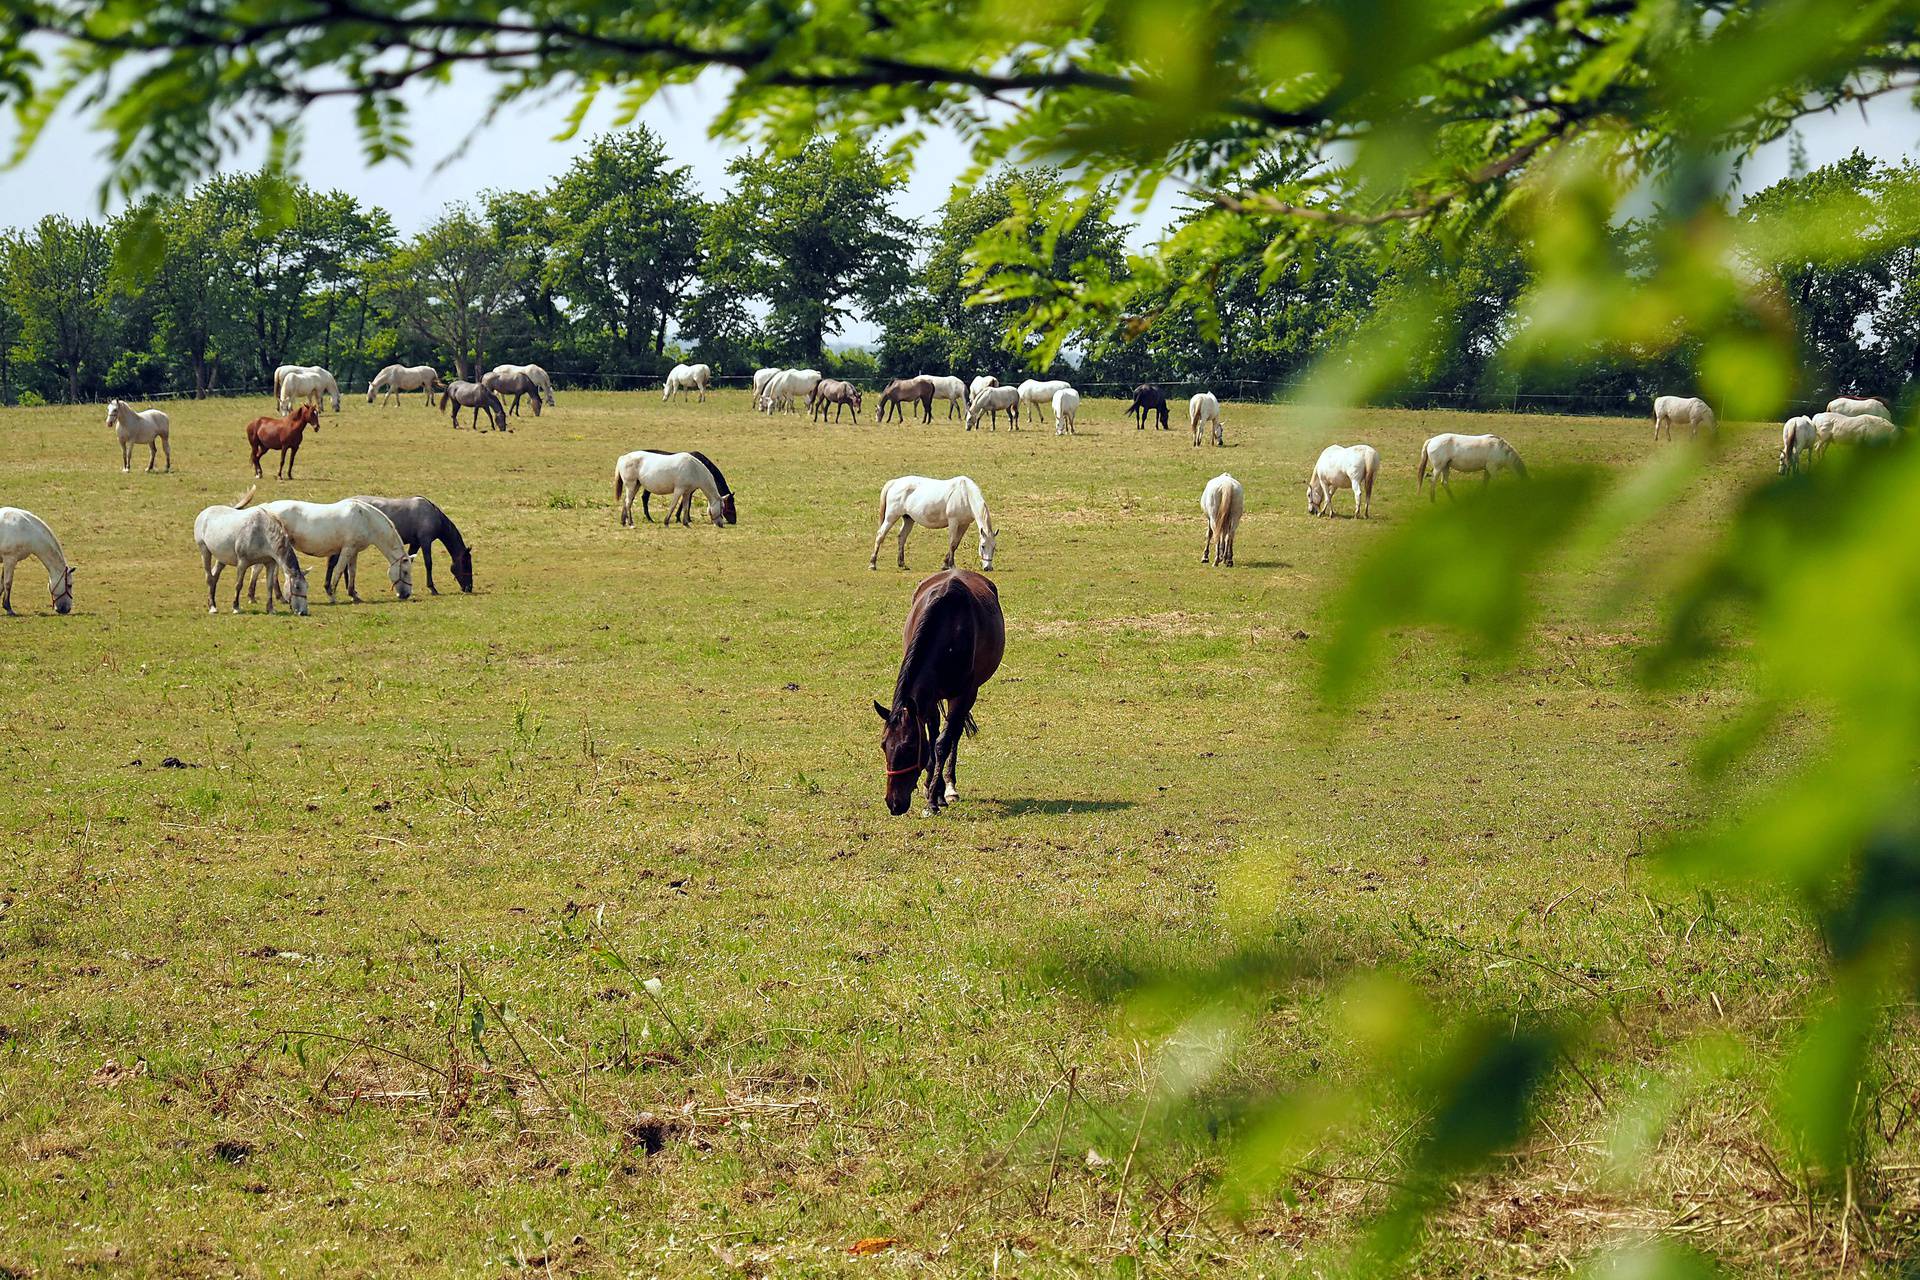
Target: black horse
[727,510]
[421,523]
[1147,399]
[956,636]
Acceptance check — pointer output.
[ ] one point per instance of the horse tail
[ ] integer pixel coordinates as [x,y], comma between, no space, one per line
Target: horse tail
[1422,479]
[245,498]
[1519,467]
[968,726]
[619,485]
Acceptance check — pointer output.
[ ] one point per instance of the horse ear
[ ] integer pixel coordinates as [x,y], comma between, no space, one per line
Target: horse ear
[879,710]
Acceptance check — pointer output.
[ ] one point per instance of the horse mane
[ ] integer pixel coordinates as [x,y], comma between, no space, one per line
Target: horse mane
[938,601]
[720,481]
[283,549]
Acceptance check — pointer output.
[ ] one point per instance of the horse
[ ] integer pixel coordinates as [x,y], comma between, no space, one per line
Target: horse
[1223,502]
[955,638]
[419,522]
[340,531]
[995,400]
[841,395]
[1343,467]
[1204,408]
[310,383]
[1446,453]
[474,396]
[1066,410]
[761,377]
[951,504]
[283,434]
[646,471]
[950,389]
[149,427]
[1871,407]
[1798,436]
[687,377]
[916,390]
[1691,410]
[513,383]
[1034,394]
[534,373]
[787,388]
[24,534]
[243,538]
[979,384]
[395,378]
[1852,429]
[1147,399]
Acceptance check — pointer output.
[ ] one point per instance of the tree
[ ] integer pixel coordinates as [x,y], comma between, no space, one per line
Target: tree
[812,237]
[448,285]
[626,237]
[191,287]
[10,318]
[59,283]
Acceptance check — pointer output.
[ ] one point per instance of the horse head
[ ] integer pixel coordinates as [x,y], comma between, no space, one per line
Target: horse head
[114,410]
[728,510]
[296,589]
[61,588]
[306,415]
[903,743]
[1313,496]
[989,538]
[400,574]
[463,568]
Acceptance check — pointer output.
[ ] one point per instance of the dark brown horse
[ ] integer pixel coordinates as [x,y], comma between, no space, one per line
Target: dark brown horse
[841,395]
[1147,399]
[908,390]
[283,434]
[956,636]
[471,395]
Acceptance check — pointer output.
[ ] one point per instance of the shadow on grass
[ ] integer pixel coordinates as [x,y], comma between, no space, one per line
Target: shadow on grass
[1019,805]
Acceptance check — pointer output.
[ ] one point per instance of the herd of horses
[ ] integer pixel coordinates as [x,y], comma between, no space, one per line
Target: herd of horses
[955,634]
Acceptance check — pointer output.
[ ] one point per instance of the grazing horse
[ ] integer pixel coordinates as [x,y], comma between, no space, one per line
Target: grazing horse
[913,390]
[395,378]
[474,396]
[979,384]
[310,383]
[648,471]
[419,523]
[1446,453]
[1798,436]
[534,373]
[1343,467]
[283,434]
[786,389]
[1033,394]
[149,427]
[1871,407]
[761,377]
[1066,411]
[513,383]
[1691,410]
[952,390]
[24,534]
[340,531]
[241,538]
[1204,408]
[841,395]
[1223,502]
[955,638]
[939,504]
[995,400]
[1852,429]
[1147,399]
[687,377]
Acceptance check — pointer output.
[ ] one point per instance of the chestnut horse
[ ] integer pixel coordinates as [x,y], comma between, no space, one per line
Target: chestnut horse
[264,434]
[911,390]
[956,636]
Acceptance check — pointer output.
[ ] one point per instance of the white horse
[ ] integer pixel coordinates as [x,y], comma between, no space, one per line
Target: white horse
[1444,454]
[1872,407]
[1691,410]
[761,377]
[679,474]
[1851,429]
[1066,410]
[687,377]
[1204,408]
[243,538]
[136,426]
[24,534]
[1343,467]
[535,373]
[995,400]
[1223,501]
[939,504]
[1797,439]
[979,384]
[395,378]
[952,390]
[1034,394]
[344,529]
[786,389]
[310,383]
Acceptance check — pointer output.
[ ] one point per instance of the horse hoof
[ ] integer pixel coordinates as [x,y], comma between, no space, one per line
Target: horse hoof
[952,795]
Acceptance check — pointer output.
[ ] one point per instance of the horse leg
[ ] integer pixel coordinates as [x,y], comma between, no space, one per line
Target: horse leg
[240,582]
[126,456]
[935,791]
[1206,552]
[906,527]
[886,523]
[353,577]
[212,570]
[6,585]
[333,564]
[425,551]
[958,708]
[954,530]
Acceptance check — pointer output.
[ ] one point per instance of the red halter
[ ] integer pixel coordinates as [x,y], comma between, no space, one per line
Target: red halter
[912,768]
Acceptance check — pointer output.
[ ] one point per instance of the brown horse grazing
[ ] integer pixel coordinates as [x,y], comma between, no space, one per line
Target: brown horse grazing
[1147,399]
[956,636]
[471,395]
[283,434]
[907,389]
[841,395]
[511,384]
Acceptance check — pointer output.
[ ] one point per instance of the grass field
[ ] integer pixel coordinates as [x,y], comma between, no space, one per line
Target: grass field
[363,988]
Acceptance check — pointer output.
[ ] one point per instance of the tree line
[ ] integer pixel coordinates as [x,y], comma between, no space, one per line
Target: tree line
[619,268]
